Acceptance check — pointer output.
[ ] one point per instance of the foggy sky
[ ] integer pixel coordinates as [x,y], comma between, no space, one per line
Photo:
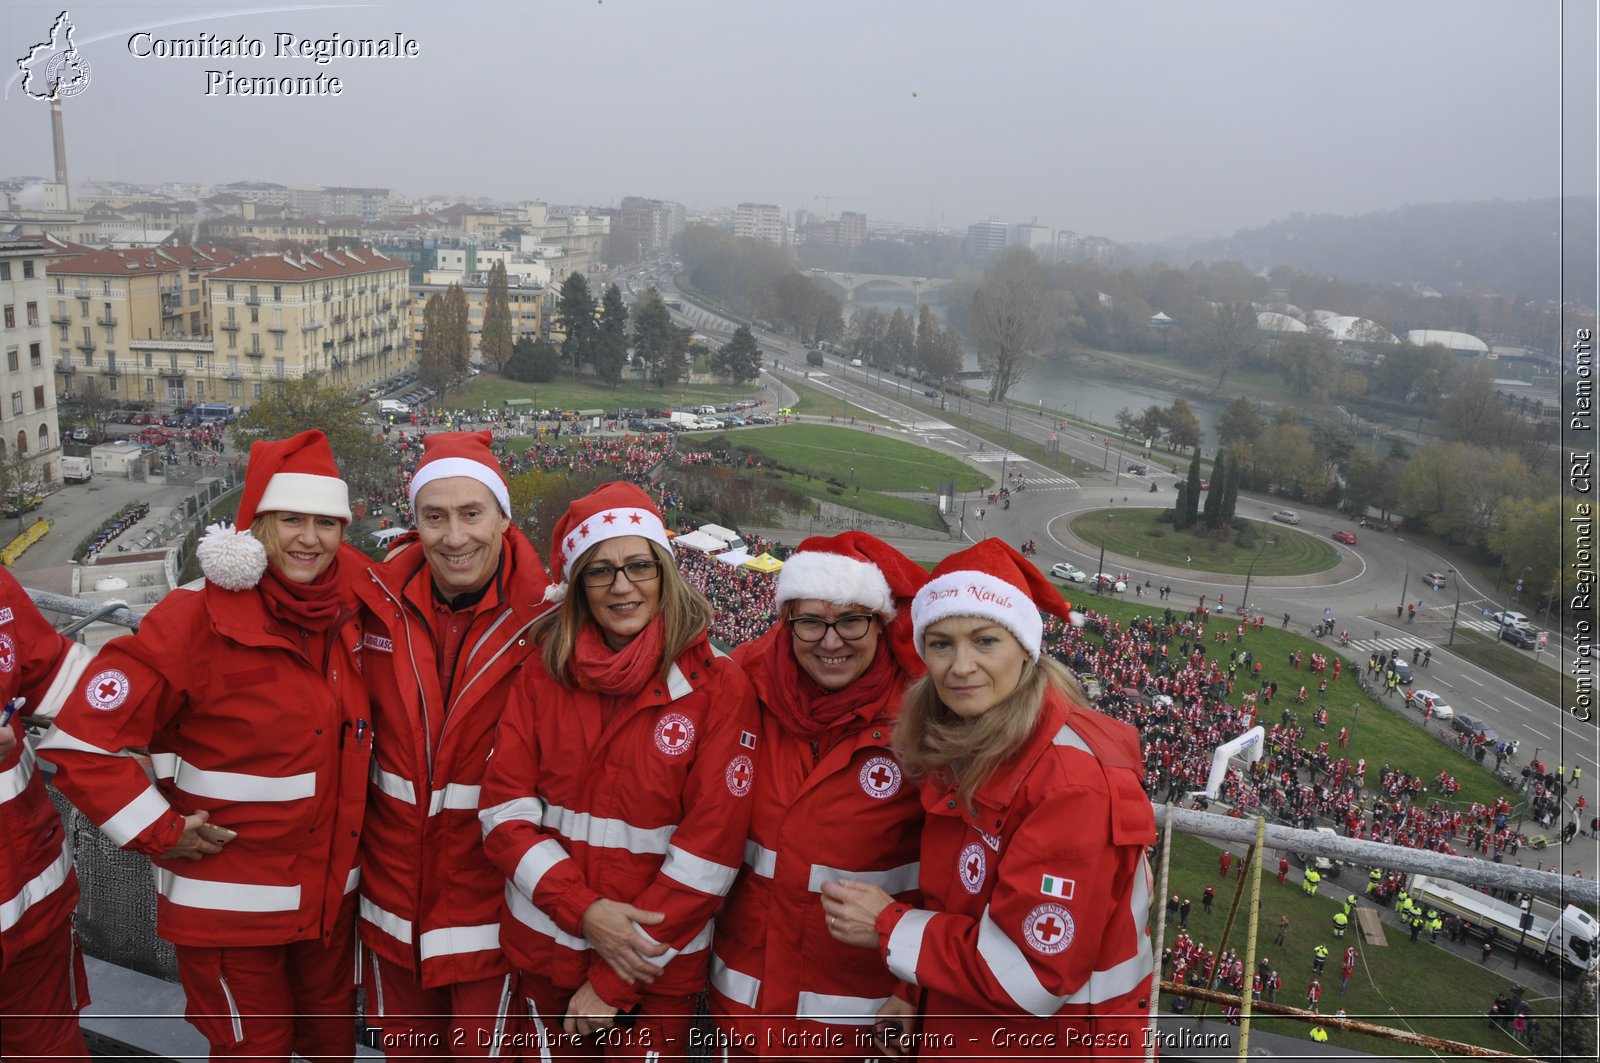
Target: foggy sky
[1133,120]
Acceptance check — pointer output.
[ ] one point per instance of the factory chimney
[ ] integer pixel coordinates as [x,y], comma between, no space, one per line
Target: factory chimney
[59,133]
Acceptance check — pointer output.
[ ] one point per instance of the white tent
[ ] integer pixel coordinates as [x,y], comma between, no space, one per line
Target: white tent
[698,540]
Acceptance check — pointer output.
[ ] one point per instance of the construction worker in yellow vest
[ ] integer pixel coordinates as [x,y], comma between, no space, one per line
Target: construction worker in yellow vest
[1319,1035]
[1311,881]
[1374,879]
[1349,904]
[1340,922]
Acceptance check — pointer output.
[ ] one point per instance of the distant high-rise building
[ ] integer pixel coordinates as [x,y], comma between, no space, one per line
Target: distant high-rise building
[759,221]
[852,229]
[1032,235]
[650,224]
[986,239]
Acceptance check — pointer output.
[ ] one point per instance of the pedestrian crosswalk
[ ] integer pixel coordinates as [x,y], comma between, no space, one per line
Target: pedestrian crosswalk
[1051,483]
[1404,645]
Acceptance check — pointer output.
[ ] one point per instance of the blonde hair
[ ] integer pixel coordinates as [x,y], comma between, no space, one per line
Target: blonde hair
[931,741]
[685,615]
[261,528]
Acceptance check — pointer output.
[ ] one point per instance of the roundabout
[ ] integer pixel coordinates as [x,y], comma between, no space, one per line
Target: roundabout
[1138,536]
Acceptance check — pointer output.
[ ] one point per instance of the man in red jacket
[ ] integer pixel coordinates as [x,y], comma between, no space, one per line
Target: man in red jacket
[448,614]
[41,971]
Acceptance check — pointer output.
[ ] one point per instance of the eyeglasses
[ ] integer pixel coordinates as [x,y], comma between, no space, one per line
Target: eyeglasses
[815,629]
[606,575]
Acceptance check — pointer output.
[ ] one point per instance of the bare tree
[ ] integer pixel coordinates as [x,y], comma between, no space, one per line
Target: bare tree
[1012,316]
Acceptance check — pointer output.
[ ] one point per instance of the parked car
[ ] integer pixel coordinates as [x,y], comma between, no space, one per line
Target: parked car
[1522,637]
[1403,670]
[1346,537]
[1436,580]
[1286,516]
[1473,726]
[1441,708]
[1062,570]
[1507,618]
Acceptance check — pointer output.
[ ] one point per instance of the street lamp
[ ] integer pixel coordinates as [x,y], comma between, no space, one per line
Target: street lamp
[1457,614]
[1407,578]
[1252,571]
[1355,714]
[1101,567]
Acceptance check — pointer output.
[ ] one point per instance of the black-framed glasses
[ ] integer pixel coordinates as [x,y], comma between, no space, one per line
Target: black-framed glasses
[815,629]
[606,575]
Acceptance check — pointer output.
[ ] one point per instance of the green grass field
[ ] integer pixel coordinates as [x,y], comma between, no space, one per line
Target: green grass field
[566,394]
[817,404]
[1140,533]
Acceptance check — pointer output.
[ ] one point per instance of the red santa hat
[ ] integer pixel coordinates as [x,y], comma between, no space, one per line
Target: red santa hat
[609,511]
[990,580]
[447,454]
[854,568]
[294,475]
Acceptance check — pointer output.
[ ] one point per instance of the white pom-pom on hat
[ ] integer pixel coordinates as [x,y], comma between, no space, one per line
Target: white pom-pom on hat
[232,559]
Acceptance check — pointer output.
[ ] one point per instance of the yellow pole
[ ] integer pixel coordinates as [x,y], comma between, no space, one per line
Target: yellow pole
[1250,937]
[1159,944]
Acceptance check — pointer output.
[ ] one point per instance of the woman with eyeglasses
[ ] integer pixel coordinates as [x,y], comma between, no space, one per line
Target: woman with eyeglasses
[831,801]
[1032,934]
[616,799]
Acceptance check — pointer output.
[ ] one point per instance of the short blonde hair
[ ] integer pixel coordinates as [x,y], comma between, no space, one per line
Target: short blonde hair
[685,615]
[261,528]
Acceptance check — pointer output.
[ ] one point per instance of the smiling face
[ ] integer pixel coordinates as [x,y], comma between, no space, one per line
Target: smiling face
[835,662]
[973,662]
[621,608]
[303,545]
[462,532]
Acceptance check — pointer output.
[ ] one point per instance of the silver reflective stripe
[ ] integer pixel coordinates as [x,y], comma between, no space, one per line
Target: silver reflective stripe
[457,940]
[697,872]
[455,796]
[377,979]
[528,914]
[500,1017]
[14,779]
[63,685]
[894,880]
[737,986]
[838,1010]
[233,785]
[135,816]
[226,896]
[698,943]
[608,833]
[538,1032]
[396,786]
[518,809]
[56,738]
[35,890]
[535,862]
[1126,976]
[677,685]
[352,881]
[233,1011]
[905,944]
[1012,970]
[1068,737]
[762,861]
[386,921]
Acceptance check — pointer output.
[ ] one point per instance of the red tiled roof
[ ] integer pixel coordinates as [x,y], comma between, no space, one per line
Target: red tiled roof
[314,265]
[144,260]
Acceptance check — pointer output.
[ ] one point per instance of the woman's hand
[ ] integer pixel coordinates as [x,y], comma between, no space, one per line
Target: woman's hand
[853,909]
[192,845]
[895,1020]
[608,926]
[587,1013]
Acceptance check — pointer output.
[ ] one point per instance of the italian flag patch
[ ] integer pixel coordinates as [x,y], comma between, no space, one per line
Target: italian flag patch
[1057,887]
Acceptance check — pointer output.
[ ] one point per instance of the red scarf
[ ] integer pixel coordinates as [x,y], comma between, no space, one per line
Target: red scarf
[808,711]
[311,606]
[599,669]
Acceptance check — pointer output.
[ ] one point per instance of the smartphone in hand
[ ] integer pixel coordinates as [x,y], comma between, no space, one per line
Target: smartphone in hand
[216,833]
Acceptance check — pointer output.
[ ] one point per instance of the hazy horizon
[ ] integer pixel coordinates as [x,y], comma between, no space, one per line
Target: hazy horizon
[1142,122]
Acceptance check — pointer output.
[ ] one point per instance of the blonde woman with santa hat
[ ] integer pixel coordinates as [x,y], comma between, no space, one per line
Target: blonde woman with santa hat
[617,798]
[1035,890]
[247,694]
[830,801]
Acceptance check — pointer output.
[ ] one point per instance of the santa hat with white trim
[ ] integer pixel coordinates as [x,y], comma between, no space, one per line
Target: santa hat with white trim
[294,475]
[991,581]
[447,454]
[609,511]
[854,568]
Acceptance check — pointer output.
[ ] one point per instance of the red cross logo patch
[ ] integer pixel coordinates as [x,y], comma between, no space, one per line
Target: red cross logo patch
[1049,929]
[8,653]
[674,734]
[973,867]
[880,778]
[740,773]
[107,690]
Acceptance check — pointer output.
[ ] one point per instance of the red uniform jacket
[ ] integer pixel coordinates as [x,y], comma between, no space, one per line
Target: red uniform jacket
[430,899]
[840,808]
[240,723]
[642,800]
[38,886]
[1037,907]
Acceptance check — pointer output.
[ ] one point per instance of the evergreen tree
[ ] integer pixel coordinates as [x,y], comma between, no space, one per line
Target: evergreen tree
[533,361]
[1230,494]
[458,328]
[1191,493]
[433,360]
[660,345]
[1219,475]
[575,318]
[739,360]
[495,340]
[611,338]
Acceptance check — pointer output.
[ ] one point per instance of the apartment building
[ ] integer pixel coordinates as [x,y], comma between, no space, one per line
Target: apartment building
[101,302]
[28,423]
[759,221]
[525,301]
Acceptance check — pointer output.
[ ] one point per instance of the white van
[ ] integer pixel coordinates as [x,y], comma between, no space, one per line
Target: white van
[394,406]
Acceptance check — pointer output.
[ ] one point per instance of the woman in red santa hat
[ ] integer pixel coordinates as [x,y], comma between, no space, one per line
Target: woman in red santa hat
[1036,892]
[248,694]
[830,802]
[616,799]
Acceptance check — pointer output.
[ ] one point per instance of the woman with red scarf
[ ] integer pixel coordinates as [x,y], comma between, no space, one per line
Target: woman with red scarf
[830,802]
[616,800]
[247,694]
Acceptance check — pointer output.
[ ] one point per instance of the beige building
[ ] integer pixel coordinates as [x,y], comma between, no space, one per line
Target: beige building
[28,422]
[101,302]
[525,301]
[341,316]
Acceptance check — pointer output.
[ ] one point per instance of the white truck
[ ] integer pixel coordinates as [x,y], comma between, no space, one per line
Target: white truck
[685,418]
[1570,938]
[76,470]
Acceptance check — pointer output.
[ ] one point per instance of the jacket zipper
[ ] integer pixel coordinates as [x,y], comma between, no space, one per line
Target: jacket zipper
[233,1010]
